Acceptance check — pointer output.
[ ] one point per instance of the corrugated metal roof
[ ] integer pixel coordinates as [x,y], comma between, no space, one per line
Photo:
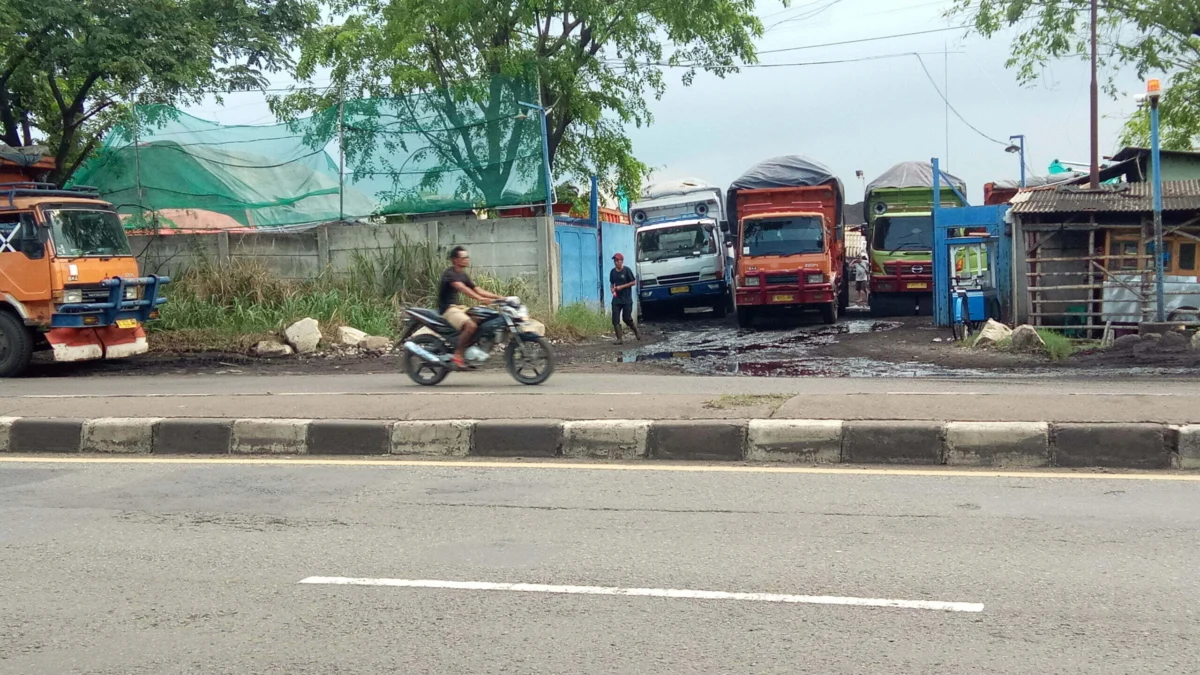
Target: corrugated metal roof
[1178,195]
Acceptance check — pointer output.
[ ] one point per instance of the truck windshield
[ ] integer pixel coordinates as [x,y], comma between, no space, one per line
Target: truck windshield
[80,233]
[908,233]
[675,242]
[784,236]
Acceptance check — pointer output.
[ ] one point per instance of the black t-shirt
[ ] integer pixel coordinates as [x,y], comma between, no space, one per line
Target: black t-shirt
[447,294]
[619,277]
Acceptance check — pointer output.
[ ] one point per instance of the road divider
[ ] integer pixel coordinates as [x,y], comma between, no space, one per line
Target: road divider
[814,442]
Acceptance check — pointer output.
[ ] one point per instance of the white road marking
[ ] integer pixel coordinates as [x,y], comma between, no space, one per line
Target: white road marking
[454,392]
[935,605]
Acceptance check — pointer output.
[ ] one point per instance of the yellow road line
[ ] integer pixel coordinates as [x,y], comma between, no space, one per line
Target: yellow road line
[637,466]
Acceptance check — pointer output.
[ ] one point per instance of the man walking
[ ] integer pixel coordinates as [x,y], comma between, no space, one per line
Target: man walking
[622,280]
[861,272]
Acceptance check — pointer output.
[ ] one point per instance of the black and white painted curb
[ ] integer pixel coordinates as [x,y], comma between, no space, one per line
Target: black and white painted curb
[999,444]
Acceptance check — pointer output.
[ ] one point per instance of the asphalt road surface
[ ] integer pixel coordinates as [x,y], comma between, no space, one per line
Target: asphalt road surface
[162,567]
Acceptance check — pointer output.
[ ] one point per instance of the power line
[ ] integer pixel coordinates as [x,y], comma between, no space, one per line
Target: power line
[794,64]
[948,105]
[861,40]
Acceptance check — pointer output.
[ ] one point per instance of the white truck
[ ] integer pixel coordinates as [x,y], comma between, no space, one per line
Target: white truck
[684,257]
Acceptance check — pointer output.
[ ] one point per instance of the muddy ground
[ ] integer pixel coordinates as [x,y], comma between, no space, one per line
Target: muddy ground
[784,346]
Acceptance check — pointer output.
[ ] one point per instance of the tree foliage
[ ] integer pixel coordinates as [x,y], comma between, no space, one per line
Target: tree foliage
[594,62]
[68,66]
[1154,37]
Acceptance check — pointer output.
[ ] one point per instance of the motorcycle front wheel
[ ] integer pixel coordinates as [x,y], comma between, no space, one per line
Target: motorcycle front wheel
[421,371]
[531,362]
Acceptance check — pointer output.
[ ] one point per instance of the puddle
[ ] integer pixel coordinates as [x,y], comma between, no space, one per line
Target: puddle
[789,353]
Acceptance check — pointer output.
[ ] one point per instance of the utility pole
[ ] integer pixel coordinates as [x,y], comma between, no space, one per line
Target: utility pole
[341,155]
[1094,180]
[946,88]
[1153,91]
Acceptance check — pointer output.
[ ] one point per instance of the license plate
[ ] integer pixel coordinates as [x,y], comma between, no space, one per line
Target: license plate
[676,290]
[127,323]
[918,286]
[783,298]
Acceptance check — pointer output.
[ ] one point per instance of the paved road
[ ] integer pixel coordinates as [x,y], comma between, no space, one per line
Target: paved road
[591,396]
[163,568]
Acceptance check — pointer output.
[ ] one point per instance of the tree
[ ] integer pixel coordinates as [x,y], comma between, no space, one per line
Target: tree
[1155,37]
[591,62]
[68,66]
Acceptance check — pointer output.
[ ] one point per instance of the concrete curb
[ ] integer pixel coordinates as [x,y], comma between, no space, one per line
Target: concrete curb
[994,444]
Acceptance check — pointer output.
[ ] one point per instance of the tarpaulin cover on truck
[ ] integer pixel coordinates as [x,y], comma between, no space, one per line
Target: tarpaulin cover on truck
[674,188]
[784,172]
[912,175]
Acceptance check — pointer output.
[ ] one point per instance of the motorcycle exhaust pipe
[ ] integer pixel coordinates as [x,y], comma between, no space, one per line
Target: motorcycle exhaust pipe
[420,351]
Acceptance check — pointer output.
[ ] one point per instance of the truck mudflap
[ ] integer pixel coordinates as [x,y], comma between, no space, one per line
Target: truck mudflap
[91,344]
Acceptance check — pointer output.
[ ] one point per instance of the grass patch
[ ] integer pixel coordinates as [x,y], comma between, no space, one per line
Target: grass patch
[229,307]
[730,401]
[1058,346]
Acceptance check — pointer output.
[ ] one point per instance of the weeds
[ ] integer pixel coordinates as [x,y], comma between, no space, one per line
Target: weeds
[229,307]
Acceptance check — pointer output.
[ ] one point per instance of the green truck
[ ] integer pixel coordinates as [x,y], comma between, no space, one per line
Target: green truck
[899,211]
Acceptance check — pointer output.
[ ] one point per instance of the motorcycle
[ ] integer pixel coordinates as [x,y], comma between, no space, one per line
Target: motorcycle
[429,341]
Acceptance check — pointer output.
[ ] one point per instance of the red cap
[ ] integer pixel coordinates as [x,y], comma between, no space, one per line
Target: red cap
[618,256]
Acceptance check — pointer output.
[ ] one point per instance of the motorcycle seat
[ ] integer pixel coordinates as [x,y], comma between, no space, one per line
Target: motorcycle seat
[434,320]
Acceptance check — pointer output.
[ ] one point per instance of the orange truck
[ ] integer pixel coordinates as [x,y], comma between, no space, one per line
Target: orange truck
[791,250]
[69,283]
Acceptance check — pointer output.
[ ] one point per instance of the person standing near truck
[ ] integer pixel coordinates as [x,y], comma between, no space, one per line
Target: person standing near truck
[621,280]
[862,273]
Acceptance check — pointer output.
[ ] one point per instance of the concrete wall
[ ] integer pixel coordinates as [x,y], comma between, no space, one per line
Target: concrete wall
[506,247]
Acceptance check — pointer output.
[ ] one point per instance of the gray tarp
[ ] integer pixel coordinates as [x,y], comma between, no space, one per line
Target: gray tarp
[1038,181]
[910,175]
[782,172]
[673,188]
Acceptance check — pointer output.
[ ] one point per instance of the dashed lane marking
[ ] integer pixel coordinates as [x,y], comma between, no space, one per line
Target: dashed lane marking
[675,593]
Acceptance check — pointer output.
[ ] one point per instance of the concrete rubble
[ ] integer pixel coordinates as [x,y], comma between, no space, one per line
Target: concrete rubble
[992,334]
[304,335]
[1026,339]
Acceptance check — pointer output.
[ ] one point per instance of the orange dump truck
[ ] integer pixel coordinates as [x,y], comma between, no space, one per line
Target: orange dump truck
[69,283]
[791,249]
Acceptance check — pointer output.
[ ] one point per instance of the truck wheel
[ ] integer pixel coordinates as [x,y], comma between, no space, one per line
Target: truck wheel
[647,314]
[844,292]
[721,308]
[829,312]
[880,304]
[745,317]
[16,346]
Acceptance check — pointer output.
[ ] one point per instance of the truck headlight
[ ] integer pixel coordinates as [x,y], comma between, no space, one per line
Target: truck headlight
[753,281]
[814,278]
[72,297]
[131,293]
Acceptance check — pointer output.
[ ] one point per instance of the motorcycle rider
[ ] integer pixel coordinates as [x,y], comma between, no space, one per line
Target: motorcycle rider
[455,281]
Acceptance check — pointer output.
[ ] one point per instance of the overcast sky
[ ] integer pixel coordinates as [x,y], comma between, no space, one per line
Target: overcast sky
[860,115]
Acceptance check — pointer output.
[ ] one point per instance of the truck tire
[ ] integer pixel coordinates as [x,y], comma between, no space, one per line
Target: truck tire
[16,345]
[745,317]
[647,314]
[844,291]
[829,312]
[881,304]
[721,307]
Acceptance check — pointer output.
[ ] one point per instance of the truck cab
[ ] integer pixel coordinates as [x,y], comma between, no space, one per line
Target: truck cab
[682,249]
[899,210]
[69,282]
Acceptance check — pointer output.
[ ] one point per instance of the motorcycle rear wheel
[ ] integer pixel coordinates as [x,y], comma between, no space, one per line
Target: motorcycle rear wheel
[535,366]
[421,371]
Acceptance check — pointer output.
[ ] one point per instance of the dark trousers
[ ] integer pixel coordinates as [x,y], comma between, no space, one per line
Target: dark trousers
[622,311]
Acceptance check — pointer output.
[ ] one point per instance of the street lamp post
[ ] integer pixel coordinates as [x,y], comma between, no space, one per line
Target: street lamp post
[544,113]
[1018,147]
[1153,92]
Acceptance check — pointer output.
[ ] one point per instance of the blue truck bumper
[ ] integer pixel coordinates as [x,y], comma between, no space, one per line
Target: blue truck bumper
[698,293]
[116,308]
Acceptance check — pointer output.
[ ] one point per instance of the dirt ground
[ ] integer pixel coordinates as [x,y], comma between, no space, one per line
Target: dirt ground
[699,344]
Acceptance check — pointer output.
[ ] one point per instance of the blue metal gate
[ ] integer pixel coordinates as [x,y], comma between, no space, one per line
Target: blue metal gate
[578,256]
[948,221]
